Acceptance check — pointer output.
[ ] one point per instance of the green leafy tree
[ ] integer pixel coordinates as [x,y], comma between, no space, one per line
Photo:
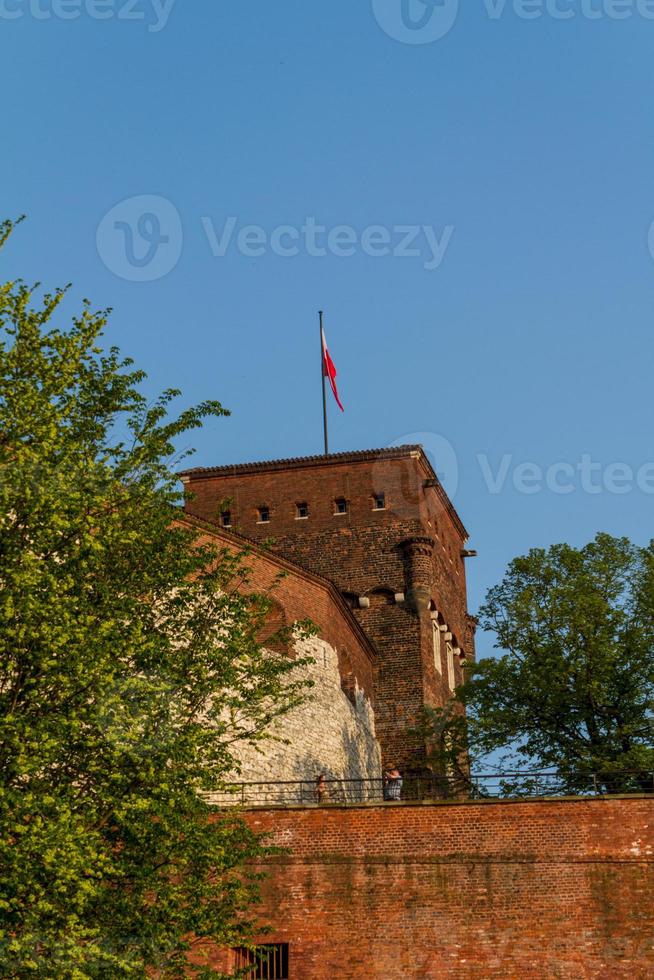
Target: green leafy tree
[572,690]
[446,734]
[129,669]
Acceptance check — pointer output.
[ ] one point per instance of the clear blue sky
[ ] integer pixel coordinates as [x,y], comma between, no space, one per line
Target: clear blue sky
[532,139]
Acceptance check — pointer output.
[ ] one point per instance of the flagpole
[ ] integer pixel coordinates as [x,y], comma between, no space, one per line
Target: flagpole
[324,390]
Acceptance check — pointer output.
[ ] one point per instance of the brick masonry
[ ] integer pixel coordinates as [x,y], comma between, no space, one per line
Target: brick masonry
[334,731]
[399,567]
[538,889]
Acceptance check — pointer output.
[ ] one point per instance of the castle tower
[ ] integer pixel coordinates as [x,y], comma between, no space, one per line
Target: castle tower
[379,525]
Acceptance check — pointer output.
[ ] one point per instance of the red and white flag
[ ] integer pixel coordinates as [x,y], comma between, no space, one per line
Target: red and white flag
[329,371]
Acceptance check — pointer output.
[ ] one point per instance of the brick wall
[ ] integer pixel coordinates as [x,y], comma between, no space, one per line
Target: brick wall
[302,596]
[334,731]
[559,889]
[365,553]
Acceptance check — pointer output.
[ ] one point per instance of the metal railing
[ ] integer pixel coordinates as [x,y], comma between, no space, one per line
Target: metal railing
[425,787]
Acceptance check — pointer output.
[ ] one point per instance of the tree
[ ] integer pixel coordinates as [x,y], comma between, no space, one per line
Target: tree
[129,668]
[573,688]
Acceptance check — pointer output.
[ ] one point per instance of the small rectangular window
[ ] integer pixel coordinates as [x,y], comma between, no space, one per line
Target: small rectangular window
[226,518]
[263,515]
[263,962]
[302,510]
[340,505]
[379,501]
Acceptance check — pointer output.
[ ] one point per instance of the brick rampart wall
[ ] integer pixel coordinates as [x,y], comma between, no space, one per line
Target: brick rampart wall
[552,889]
[334,730]
[302,597]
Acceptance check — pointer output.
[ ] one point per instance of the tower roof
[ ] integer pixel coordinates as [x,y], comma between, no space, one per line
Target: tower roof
[299,462]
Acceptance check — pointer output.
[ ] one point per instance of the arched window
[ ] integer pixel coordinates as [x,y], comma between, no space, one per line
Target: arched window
[436,641]
[451,677]
[381,596]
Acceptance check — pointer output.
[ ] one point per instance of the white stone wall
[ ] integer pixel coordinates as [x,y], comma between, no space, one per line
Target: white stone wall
[326,734]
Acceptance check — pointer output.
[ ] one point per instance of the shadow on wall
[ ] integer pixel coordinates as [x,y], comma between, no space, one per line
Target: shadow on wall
[362,754]
[332,733]
[358,786]
[357,757]
[365,754]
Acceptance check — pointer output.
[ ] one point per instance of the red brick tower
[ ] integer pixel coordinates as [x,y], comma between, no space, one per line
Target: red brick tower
[380,526]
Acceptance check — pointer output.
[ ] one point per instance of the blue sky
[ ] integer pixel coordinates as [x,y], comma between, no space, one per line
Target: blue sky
[525,148]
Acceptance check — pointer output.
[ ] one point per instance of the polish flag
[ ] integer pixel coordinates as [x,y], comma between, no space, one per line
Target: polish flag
[329,371]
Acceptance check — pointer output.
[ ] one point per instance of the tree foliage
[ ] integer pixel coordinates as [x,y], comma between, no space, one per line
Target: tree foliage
[129,669]
[572,689]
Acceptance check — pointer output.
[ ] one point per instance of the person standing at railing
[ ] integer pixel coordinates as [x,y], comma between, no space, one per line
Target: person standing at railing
[392,784]
[322,790]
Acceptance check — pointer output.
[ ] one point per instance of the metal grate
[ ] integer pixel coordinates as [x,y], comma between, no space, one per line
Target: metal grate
[263,962]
